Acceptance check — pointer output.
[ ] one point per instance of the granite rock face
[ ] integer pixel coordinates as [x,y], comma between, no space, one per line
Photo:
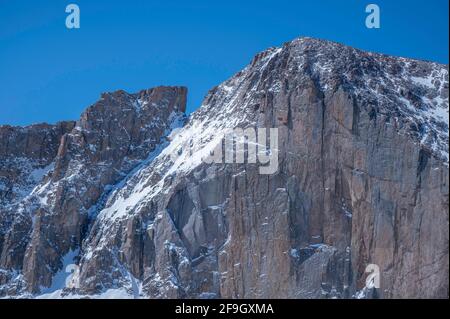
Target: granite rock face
[362,180]
[25,155]
[112,138]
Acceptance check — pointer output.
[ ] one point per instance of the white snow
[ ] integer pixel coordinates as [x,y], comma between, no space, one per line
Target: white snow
[37,174]
[425,81]
[119,293]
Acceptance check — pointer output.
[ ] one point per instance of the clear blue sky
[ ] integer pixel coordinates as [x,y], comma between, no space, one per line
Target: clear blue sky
[50,73]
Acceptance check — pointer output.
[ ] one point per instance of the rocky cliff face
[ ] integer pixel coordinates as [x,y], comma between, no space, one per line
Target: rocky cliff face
[25,155]
[362,179]
[112,138]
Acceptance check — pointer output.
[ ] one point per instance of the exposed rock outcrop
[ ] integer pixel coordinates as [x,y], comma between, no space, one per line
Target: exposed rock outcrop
[362,179]
[112,138]
[25,154]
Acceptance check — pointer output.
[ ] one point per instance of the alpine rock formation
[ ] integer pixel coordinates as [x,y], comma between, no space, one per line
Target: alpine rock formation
[123,197]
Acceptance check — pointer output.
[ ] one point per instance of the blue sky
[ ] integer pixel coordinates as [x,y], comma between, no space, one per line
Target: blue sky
[50,73]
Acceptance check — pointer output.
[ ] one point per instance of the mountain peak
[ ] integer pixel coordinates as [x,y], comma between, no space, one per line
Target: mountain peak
[360,164]
[145,96]
[413,93]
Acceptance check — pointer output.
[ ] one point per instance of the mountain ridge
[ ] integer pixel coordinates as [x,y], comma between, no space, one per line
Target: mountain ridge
[345,193]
